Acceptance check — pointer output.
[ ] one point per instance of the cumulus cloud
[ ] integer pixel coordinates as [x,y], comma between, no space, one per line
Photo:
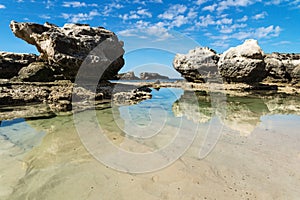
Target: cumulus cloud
[261,32]
[2,6]
[260,16]
[141,13]
[243,19]
[210,8]
[80,17]
[199,2]
[109,8]
[144,29]
[173,11]
[226,4]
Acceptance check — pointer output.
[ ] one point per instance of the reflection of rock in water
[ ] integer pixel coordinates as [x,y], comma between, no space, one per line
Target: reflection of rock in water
[243,113]
[196,106]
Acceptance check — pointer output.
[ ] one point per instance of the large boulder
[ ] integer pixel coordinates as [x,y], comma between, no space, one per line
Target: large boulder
[244,63]
[276,69]
[198,65]
[11,63]
[152,76]
[65,48]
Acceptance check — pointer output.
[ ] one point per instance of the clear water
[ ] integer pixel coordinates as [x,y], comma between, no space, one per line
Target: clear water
[244,147]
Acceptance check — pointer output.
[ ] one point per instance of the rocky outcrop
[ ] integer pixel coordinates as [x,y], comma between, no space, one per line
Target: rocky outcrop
[127,76]
[152,76]
[36,72]
[65,48]
[296,74]
[276,69]
[244,63]
[11,63]
[198,65]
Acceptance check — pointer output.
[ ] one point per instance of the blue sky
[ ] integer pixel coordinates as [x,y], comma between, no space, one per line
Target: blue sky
[169,26]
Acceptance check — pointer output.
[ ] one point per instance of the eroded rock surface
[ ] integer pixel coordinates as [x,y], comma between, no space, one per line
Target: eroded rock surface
[11,63]
[198,65]
[244,63]
[65,48]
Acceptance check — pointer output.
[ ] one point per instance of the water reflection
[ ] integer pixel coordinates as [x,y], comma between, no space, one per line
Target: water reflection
[243,113]
[57,166]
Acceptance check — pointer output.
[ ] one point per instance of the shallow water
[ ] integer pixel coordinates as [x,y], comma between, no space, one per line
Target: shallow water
[190,145]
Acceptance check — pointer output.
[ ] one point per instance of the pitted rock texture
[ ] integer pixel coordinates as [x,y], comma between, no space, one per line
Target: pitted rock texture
[244,63]
[66,48]
[198,65]
[11,63]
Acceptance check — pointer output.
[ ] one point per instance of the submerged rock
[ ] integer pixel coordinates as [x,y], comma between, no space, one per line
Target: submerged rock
[244,63]
[152,76]
[198,65]
[11,63]
[65,48]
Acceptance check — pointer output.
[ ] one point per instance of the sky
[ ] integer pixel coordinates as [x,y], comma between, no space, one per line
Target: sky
[155,30]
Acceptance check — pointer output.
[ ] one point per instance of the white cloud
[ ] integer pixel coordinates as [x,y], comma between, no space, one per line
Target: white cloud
[206,21]
[2,6]
[225,4]
[192,14]
[45,16]
[75,18]
[199,2]
[229,29]
[109,8]
[74,4]
[144,29]
[224,21]
[261,32]
[141,13]
[260,16]
[49,3]
[179,21]
[243,19]
[144,12]
[173,11]
[210,8]
[20,1]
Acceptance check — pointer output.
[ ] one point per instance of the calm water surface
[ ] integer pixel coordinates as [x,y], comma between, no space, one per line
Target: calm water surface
[251,146]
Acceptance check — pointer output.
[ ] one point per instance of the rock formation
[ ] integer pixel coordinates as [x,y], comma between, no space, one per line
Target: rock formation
[198,65]
[65,48]
[151,76]
[244,63]
[126,76]
[11,63]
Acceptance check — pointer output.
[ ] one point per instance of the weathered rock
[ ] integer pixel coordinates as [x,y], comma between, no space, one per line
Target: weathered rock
[296,74]
[198,65]
[65,48]
[36,72]
[11,63]
[127,76]
[276,69]
[244,63]
[152,76]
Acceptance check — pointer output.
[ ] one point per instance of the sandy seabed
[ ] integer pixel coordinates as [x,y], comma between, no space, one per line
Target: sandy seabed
[262,165]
